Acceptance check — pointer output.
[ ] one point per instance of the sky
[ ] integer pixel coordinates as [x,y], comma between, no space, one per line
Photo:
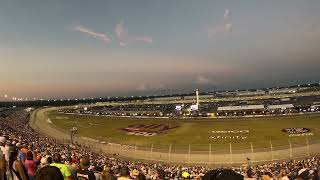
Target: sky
[82,48]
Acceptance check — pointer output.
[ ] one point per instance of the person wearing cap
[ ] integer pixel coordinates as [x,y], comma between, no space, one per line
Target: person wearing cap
[135,173]
[43,162]
[83,171]
[303,174]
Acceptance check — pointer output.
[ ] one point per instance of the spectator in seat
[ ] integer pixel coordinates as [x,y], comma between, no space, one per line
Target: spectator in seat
[124,174]
[250,175]
[107,174]
[83,173]
[15,169]
[2,166]
[21,155]
[63,168]
[316,175]
[49,173]
[2,143]
[31,165]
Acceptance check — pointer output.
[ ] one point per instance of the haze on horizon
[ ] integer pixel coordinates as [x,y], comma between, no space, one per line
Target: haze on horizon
[79,48]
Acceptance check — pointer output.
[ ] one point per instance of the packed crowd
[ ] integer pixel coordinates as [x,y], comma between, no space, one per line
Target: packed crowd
[26,154]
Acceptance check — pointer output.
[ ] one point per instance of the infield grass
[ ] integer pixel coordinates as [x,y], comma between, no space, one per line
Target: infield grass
[194,131]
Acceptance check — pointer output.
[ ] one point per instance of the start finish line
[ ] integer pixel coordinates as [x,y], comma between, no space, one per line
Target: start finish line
[230,134]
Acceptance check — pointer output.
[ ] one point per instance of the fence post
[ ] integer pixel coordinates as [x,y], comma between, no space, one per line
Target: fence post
[151,150]
[252,154]
[189,153]
[308,147]
[271,148]
[210,154]
[169,155]
[231,158]
[290,148]
[135,148]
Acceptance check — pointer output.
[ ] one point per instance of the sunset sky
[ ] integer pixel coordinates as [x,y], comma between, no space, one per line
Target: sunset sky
[82,48]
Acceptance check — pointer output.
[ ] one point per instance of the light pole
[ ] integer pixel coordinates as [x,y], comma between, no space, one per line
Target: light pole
[197,97]
[5,101]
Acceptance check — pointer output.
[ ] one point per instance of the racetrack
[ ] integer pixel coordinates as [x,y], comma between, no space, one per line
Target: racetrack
[188,155]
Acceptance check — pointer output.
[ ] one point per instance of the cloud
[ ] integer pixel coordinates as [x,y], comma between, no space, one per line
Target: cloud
[142,87]
[144,39]
[148,87]
[100,36]
[121,33]
[200,79]
[222,28]
[226,14]
[228,27]
[124,38]
[123,43]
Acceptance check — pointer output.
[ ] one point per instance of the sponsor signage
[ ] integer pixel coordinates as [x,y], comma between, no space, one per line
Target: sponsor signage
[297,132]
[229,134]
[147,130]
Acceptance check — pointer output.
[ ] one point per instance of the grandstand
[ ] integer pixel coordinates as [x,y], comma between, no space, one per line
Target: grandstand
[245,110]
[23,136]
